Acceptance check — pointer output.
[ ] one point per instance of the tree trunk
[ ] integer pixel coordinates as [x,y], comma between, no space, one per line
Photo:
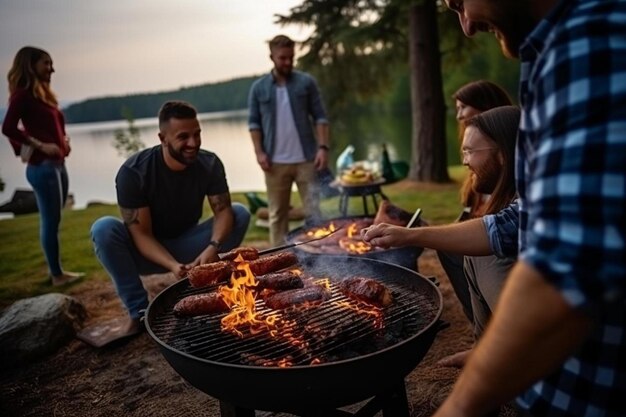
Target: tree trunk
[429,158]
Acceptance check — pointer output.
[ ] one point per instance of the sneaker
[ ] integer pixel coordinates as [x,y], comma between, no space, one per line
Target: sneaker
[66,277]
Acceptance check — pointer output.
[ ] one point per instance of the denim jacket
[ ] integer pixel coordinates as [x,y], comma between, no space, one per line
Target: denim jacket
[306,106]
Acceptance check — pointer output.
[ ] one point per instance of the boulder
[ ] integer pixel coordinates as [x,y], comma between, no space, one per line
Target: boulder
[34,327]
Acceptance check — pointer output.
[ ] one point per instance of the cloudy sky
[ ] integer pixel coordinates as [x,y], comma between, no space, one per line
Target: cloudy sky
[115,47]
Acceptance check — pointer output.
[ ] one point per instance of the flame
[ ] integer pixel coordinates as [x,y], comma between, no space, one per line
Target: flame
[361,308]
[239,296]
[354,245]
[322,231]
[352,230]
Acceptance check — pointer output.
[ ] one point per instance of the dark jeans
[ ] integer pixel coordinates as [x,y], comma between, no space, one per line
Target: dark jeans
[117,253]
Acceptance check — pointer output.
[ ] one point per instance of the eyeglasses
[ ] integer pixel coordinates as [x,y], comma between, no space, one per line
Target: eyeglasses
[469,152]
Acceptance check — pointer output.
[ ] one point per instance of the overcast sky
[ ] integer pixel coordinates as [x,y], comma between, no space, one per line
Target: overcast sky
[115,47]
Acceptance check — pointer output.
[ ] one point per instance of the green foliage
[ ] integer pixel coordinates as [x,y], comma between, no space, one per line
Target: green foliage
[212,97]
[128,141]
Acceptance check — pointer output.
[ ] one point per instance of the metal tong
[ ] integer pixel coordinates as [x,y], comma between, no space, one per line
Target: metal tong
[291,245]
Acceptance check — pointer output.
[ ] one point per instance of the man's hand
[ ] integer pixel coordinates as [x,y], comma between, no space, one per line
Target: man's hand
[385,235]
[264,161]
[180,271]
[321,159]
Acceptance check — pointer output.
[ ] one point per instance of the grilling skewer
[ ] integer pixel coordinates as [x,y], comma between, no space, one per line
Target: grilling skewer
[291,245]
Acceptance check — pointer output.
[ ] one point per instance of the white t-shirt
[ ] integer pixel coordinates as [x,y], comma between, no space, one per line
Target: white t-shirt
[287,146]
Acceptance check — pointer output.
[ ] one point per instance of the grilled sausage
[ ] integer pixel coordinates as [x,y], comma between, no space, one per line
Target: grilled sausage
[246,252]
[367,290]
[200,304]
[272,263]
[279,281]
[315,294]
[207,274]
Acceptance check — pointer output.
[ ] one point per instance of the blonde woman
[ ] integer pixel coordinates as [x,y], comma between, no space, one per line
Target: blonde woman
[42,144]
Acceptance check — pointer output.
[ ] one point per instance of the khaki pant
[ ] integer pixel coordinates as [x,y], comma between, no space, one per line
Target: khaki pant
[278,181]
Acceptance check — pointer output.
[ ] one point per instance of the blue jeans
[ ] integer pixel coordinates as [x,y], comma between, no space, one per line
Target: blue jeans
[117,253]
[50,184]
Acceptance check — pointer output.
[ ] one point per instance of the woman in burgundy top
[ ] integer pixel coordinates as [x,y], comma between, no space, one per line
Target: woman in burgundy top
[41,141]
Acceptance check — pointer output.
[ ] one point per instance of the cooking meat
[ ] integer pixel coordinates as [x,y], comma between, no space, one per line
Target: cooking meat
[207,274]
[315,294]
[273,263]
[279,281]
[246,252]
[367,290]
[200,304]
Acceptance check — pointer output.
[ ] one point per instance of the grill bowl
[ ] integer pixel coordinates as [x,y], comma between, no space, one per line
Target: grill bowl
[306,387]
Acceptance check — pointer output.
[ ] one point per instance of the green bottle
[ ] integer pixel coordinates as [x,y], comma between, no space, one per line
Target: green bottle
[385,163]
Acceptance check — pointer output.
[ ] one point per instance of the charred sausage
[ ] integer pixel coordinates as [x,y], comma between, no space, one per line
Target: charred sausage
[367,290]
[279,281]
[246,252]
[200,304]
[272,263]
[315,294]
[207,274]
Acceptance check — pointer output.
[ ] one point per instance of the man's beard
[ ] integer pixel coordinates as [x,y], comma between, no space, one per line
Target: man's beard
[517,30]
[284,72]
[179,156]
[485,179]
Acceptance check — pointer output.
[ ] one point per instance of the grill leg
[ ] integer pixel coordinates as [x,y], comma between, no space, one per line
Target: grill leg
[396,403]
[229,410]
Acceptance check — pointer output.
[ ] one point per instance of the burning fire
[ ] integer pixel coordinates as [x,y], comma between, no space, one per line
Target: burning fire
[239,296]
[353,244]
[322,231]
[376,313]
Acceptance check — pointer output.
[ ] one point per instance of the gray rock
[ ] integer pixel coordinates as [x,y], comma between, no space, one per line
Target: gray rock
[34,327]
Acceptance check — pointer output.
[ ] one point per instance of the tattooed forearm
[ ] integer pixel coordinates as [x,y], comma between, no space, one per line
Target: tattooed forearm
[219,202]
[130,216]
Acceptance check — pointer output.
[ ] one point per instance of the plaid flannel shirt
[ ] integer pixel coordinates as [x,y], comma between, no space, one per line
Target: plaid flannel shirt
[571,174]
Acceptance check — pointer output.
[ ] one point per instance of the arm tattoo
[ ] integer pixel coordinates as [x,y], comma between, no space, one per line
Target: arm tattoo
[130,216]
[219,202]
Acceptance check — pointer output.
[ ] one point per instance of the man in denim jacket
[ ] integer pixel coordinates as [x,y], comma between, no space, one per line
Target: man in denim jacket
[284,107]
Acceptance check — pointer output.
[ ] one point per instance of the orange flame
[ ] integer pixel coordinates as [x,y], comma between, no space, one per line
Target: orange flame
[352,230]
[322,231]
[354,245]
[361,308]
[241,300]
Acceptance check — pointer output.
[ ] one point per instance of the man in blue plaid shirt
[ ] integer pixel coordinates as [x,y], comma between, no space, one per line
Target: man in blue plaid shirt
[558,335]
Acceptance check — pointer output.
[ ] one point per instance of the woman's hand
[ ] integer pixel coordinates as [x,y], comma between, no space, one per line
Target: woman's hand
[50,149]
[68,148]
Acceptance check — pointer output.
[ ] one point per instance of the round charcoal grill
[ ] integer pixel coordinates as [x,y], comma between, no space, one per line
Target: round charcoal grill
[359,357]
[404,256]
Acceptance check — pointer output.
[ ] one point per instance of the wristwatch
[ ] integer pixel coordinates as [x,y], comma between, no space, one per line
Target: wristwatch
[324,147]
[215,243]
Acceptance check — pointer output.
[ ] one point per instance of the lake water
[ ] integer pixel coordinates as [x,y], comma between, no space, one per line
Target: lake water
[94,161]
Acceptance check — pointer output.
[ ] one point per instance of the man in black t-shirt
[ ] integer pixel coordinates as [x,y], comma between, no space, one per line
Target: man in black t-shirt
[160,192]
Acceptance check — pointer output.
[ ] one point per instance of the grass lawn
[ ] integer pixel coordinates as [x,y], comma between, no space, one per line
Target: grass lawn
[23,272]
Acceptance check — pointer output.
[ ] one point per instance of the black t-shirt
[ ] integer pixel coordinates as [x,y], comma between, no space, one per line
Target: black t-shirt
[175,198]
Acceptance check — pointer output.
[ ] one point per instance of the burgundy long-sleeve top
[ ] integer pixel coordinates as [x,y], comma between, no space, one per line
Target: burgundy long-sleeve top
[39,120]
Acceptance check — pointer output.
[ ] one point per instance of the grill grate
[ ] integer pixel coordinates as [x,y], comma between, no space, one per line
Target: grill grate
[322,334]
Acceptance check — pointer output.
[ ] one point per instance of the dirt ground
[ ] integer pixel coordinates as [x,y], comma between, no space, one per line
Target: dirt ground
[133,379]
